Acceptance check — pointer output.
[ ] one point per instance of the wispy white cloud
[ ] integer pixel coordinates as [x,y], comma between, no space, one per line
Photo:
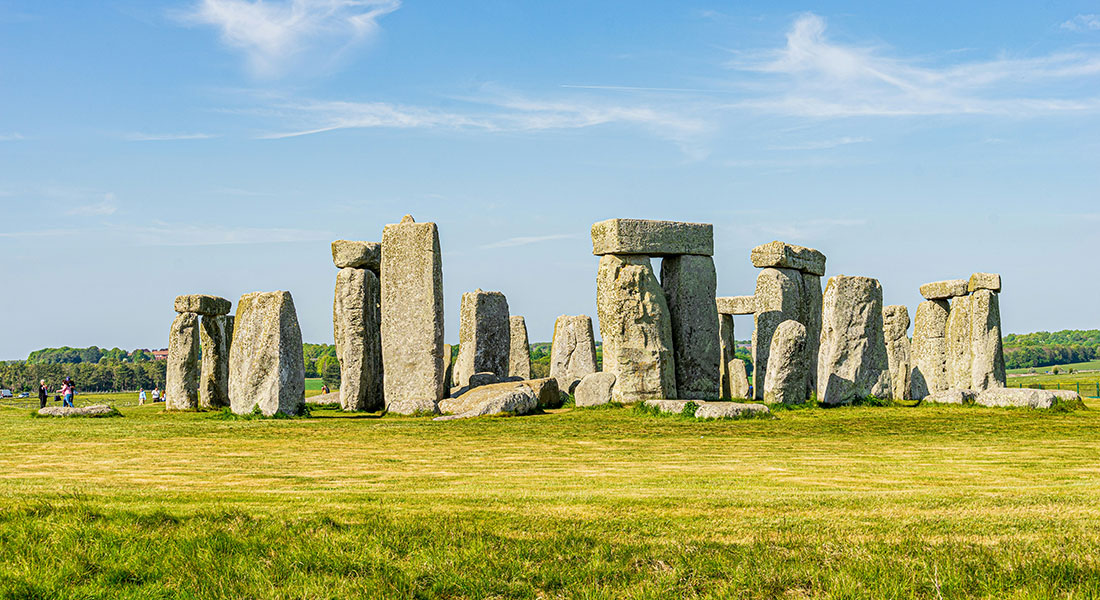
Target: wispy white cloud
[805,230]
[181,234]
[523,241]
[11,137]
[105,206]
[163,137]
[273,34]
[1083,23]
[823,144]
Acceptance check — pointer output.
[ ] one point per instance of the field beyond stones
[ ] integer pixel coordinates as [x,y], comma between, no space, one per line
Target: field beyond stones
[923,502]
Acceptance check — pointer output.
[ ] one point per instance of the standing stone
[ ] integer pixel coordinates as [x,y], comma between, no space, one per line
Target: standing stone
[809,302]
[727,344]
[266,367]
[519,355]
[778,298]
[448,367]
[652,238]
[484,336]
[786,383]
[689,283]
[572,351]
[739,379]
[412,317]
[895,327]
[356,317]
[182,375]
[987,366]
[216,335]
[636,329]
[929,372]
[852,362]
[958,343]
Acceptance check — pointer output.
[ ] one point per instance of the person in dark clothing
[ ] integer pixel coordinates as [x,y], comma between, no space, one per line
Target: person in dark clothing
[42,394]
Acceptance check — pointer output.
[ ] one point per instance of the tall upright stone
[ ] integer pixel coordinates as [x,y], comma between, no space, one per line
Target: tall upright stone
[572,351]
[689,283]
[636,329]
[412,317]
[727,344]
[987,368]
[958,346]
[356,324]
[929,371]
[852,362]
[519,354]
[216,334]
[786,383]
[484,336]
[182,375]
[895,327]
[266,366]
[739,379]
[778,298]
[809,302]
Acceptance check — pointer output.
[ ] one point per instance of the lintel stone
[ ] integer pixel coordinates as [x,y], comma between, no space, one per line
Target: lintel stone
[202,304]
[944,290]
[781,255]
[652,238]
[736,305]
[984,281]
[357,255]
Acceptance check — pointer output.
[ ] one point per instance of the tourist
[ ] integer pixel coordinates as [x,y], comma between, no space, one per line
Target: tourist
[66,392]
[324,389]
[42,394]
[156,394]
[141,396]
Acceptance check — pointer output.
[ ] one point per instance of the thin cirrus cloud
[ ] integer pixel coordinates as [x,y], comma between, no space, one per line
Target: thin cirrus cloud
[524,241]
[166,137]
[275,35]
[102,208]
[11,137]
[1083,23]
[823,144]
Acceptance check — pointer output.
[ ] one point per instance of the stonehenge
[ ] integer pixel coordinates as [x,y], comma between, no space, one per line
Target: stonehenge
[734,375]
[787,381]
[895,328]
[572,351]
[689,283]
[266,366]
[215,335]
[929,349]
[595,389]
[484,336]
[519,352]
[182,376]
[852,363]
[356,324]
[203,327]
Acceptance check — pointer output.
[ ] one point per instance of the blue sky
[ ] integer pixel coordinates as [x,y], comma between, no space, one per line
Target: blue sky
[149,149]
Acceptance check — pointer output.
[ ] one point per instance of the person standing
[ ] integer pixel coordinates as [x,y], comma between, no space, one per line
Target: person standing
[66,392]
[141,396]
[156,395]
[42,394]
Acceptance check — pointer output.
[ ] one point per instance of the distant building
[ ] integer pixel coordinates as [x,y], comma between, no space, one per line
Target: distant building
[159,354]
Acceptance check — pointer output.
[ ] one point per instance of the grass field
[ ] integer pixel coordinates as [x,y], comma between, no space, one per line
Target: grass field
[925,502]
[1093,365]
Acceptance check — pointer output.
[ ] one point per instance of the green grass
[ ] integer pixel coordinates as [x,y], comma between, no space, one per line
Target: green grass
[313,384]
[864,502]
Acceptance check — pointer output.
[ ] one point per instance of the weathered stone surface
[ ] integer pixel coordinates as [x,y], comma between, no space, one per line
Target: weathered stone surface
[787,372]
[929,372]
[672,407]
[266,368]
[895,328]
[182,375]
[781,255]
[513,397]
[357,255]
[448,367]
[97,410]
[951,396]
[412,317]
[594,389]
[778,298]
[1016,397]
[484,336]
[727,344]
[203,304]
[652,238]
[739,379]
[215,333]
[572,350]
[944,290]
[547,391]
[736,305]
[809,302]
[636,329]
[984,281]
[356,324]
[476,380]
[852,362]
[958,343]
[689,282]
[329,398]
[729,410]
[987,366]
[519,354]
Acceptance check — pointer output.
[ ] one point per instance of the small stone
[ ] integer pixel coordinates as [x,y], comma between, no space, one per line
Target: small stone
[929,349]
[730,410]
[547,391]
[183,369]
[736,305]
[787,373]
[595,389]
[951,396]
[944,290]
[652,238]
[1023,397]
[356,322]
[97,410]
[266,367]
[484,336]
[781,255]
[357,255]
[852,362]
[216,334]
[203,304]
[519,354]
[987,360]
[514,398]
[572,350]
[689,282]
[984,281]
[895,327]
[739,379]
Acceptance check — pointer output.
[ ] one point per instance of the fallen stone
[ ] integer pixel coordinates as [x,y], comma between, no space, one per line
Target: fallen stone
[412,317]
[476,380]
[987,360]
[984,281]
[519,354]
[780,255]
[786,383]
[202,304]
[689,282]
[736,305]
[357,255]
[594,389]
[778,298]
[547,391]
[215,334]
[1022,397]
[739,379]
[729,410]
[572,350]
[852,363]
[958,343]
[183,369]
[895,328]
[356,323]
[672,407]
[97,410]
[266,367]
[652,238]
[929,349]
[484,336]
[512,398]
[944,290]
[636,329]
[727,344]
[951,396]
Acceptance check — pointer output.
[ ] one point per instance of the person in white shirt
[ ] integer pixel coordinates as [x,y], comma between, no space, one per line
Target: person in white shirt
[156,394]
[141,396]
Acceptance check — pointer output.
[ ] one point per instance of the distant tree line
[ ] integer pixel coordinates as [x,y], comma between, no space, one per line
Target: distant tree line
[93,354]
[103,376]
[1044,348]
